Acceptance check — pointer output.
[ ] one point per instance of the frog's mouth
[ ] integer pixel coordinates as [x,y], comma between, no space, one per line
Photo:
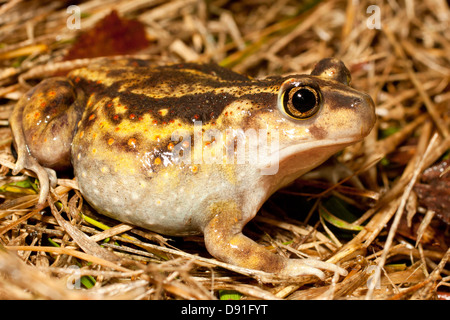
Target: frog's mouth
[332,146]
[303,157]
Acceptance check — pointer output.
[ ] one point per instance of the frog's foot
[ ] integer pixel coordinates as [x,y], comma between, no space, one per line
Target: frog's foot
[225,241]
[46,176]
[25,160]
[299,267]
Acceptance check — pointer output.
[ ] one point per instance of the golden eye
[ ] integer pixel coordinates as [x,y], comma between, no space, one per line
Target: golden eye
[301,102]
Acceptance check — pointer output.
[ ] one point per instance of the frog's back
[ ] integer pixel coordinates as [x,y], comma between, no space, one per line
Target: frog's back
[133,111]
[179,92]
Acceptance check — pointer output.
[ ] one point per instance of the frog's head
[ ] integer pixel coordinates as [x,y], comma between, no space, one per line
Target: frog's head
[318,115]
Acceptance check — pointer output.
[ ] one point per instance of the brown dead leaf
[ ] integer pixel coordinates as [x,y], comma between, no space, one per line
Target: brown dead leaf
[434,190]
[111,36]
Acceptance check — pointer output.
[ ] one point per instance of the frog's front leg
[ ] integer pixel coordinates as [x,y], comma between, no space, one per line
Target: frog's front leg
[225,241]
[43,123]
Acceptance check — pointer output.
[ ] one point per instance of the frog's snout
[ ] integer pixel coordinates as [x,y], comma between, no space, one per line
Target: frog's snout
[367,111]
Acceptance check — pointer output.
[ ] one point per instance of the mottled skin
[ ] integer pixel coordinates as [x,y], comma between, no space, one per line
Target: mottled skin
[114,125]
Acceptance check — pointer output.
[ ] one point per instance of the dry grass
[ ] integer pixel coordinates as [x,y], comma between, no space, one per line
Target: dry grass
[404,66]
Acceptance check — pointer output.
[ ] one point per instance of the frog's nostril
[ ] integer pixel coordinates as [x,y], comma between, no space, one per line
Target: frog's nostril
[364,101]
[357,102]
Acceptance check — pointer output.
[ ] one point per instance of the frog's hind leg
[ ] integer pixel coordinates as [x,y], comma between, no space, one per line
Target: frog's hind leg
[46,176]
[225,241]
[38,123]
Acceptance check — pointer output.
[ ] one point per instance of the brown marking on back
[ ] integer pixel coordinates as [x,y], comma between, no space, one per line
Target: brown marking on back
[200,97]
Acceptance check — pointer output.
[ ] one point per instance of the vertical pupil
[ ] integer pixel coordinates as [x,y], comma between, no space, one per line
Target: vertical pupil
[303,100]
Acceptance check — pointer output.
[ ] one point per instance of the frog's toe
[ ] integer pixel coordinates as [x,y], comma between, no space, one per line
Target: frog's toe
[19,166]
[51,176]
[302,267]
[46,176]
[45,180]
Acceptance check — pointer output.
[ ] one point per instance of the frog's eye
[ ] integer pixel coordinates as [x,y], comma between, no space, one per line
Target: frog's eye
[300,102]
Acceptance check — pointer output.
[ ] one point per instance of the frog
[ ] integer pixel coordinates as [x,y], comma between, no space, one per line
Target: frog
[134,134]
